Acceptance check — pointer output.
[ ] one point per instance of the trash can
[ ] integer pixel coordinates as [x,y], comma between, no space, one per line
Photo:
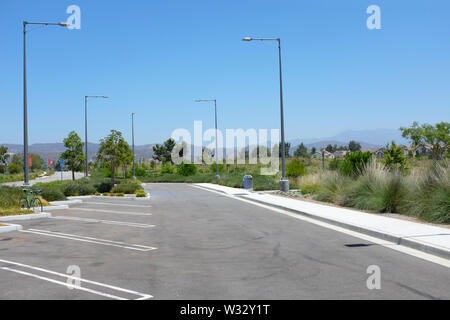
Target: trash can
[248,182]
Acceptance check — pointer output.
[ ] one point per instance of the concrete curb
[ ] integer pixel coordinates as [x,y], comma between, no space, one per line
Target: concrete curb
[10,228]
[66,202]
[424,247]
[107,197]
[61,207]
[30,216]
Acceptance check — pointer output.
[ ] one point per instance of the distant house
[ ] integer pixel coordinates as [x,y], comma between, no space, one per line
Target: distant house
[326,155]
[423,150]
[340,154]
[379,153]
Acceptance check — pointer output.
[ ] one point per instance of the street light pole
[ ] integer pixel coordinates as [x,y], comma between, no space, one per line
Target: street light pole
[284,183]
[132,137]
[86,165]
[25,97]
[215,120]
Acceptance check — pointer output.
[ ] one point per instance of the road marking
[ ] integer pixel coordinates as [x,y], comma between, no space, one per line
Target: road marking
[118,244]
[65,284]
[129,224]
[114,212]
[387,244]
[117,204]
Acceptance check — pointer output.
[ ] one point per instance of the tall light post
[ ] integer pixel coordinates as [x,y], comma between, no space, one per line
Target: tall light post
[132,138]
[284,183]
[25,106]
[217,149]
[86,169]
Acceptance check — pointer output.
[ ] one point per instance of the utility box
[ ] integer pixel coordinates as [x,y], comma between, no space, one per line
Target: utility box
[248,182]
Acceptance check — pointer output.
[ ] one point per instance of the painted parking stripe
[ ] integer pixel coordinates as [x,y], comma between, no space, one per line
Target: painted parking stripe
[113,212]
[128,224]
[118,244]
[117,204]
[142,296]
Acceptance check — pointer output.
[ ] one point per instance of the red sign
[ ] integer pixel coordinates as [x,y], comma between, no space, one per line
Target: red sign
[30,161]
[49,163]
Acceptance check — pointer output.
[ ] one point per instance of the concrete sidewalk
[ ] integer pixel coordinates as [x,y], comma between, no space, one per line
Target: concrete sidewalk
[427,238]
[67,175]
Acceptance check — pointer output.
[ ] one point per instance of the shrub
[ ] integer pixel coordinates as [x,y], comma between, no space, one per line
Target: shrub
[129,188]
[334,164]
[104,186]
[78,188]
[14,168]
[310,184]
[186,169]
[333,188]
[295,168]
[429,197]
[212,167]
[378,189]
[140,171]
[51,192]
[354,163]
[167,168]
[141,194]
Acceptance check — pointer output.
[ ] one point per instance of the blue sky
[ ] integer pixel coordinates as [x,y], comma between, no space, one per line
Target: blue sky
[155,57]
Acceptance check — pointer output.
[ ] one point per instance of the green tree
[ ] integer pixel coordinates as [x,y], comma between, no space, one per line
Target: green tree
[354,146]
[354,162]
[73,155]
[329,148]
[438,137]
[413,133]
[114,152]
[287,147]
[313,150]
[394,157]
[37,161]
[4,156]
[301,151]
[163,153]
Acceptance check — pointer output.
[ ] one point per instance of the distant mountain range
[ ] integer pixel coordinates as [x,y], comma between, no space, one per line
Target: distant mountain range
[53,150]
[369,139]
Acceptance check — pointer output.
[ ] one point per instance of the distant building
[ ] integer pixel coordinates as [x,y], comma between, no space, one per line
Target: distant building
[379,153]
[340,154]
[423,150]
[325,154]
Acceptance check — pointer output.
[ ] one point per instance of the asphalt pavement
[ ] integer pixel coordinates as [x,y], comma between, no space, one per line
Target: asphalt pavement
[188,243]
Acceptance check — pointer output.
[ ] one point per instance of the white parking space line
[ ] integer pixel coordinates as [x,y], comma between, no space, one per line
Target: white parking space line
[113,212]
[104,242]
[117,204]
[142,296]
[121,223]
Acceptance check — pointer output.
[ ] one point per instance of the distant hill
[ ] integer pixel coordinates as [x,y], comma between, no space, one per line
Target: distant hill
[53,150]
[369,139]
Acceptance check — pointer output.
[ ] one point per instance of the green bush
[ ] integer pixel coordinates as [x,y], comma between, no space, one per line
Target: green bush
[429,196]
[77,188]
[129,188]
[14,168]
[334,164]
[140,171]
[378,189]
[186,169]
[51,192]
[354,163]
[212,167]
[141,194]
[295,168]
[104,186]
[167,168]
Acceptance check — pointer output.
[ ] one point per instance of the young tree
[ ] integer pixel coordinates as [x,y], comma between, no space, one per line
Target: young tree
[287,147]
[73,156]
[394,157]
[413,133]
[354,146]
[163,153]
[301,151]
[114,152]
[4,156]
[37,161]
[329,148]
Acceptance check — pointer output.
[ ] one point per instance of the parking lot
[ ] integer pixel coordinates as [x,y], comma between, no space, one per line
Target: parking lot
[187,243]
